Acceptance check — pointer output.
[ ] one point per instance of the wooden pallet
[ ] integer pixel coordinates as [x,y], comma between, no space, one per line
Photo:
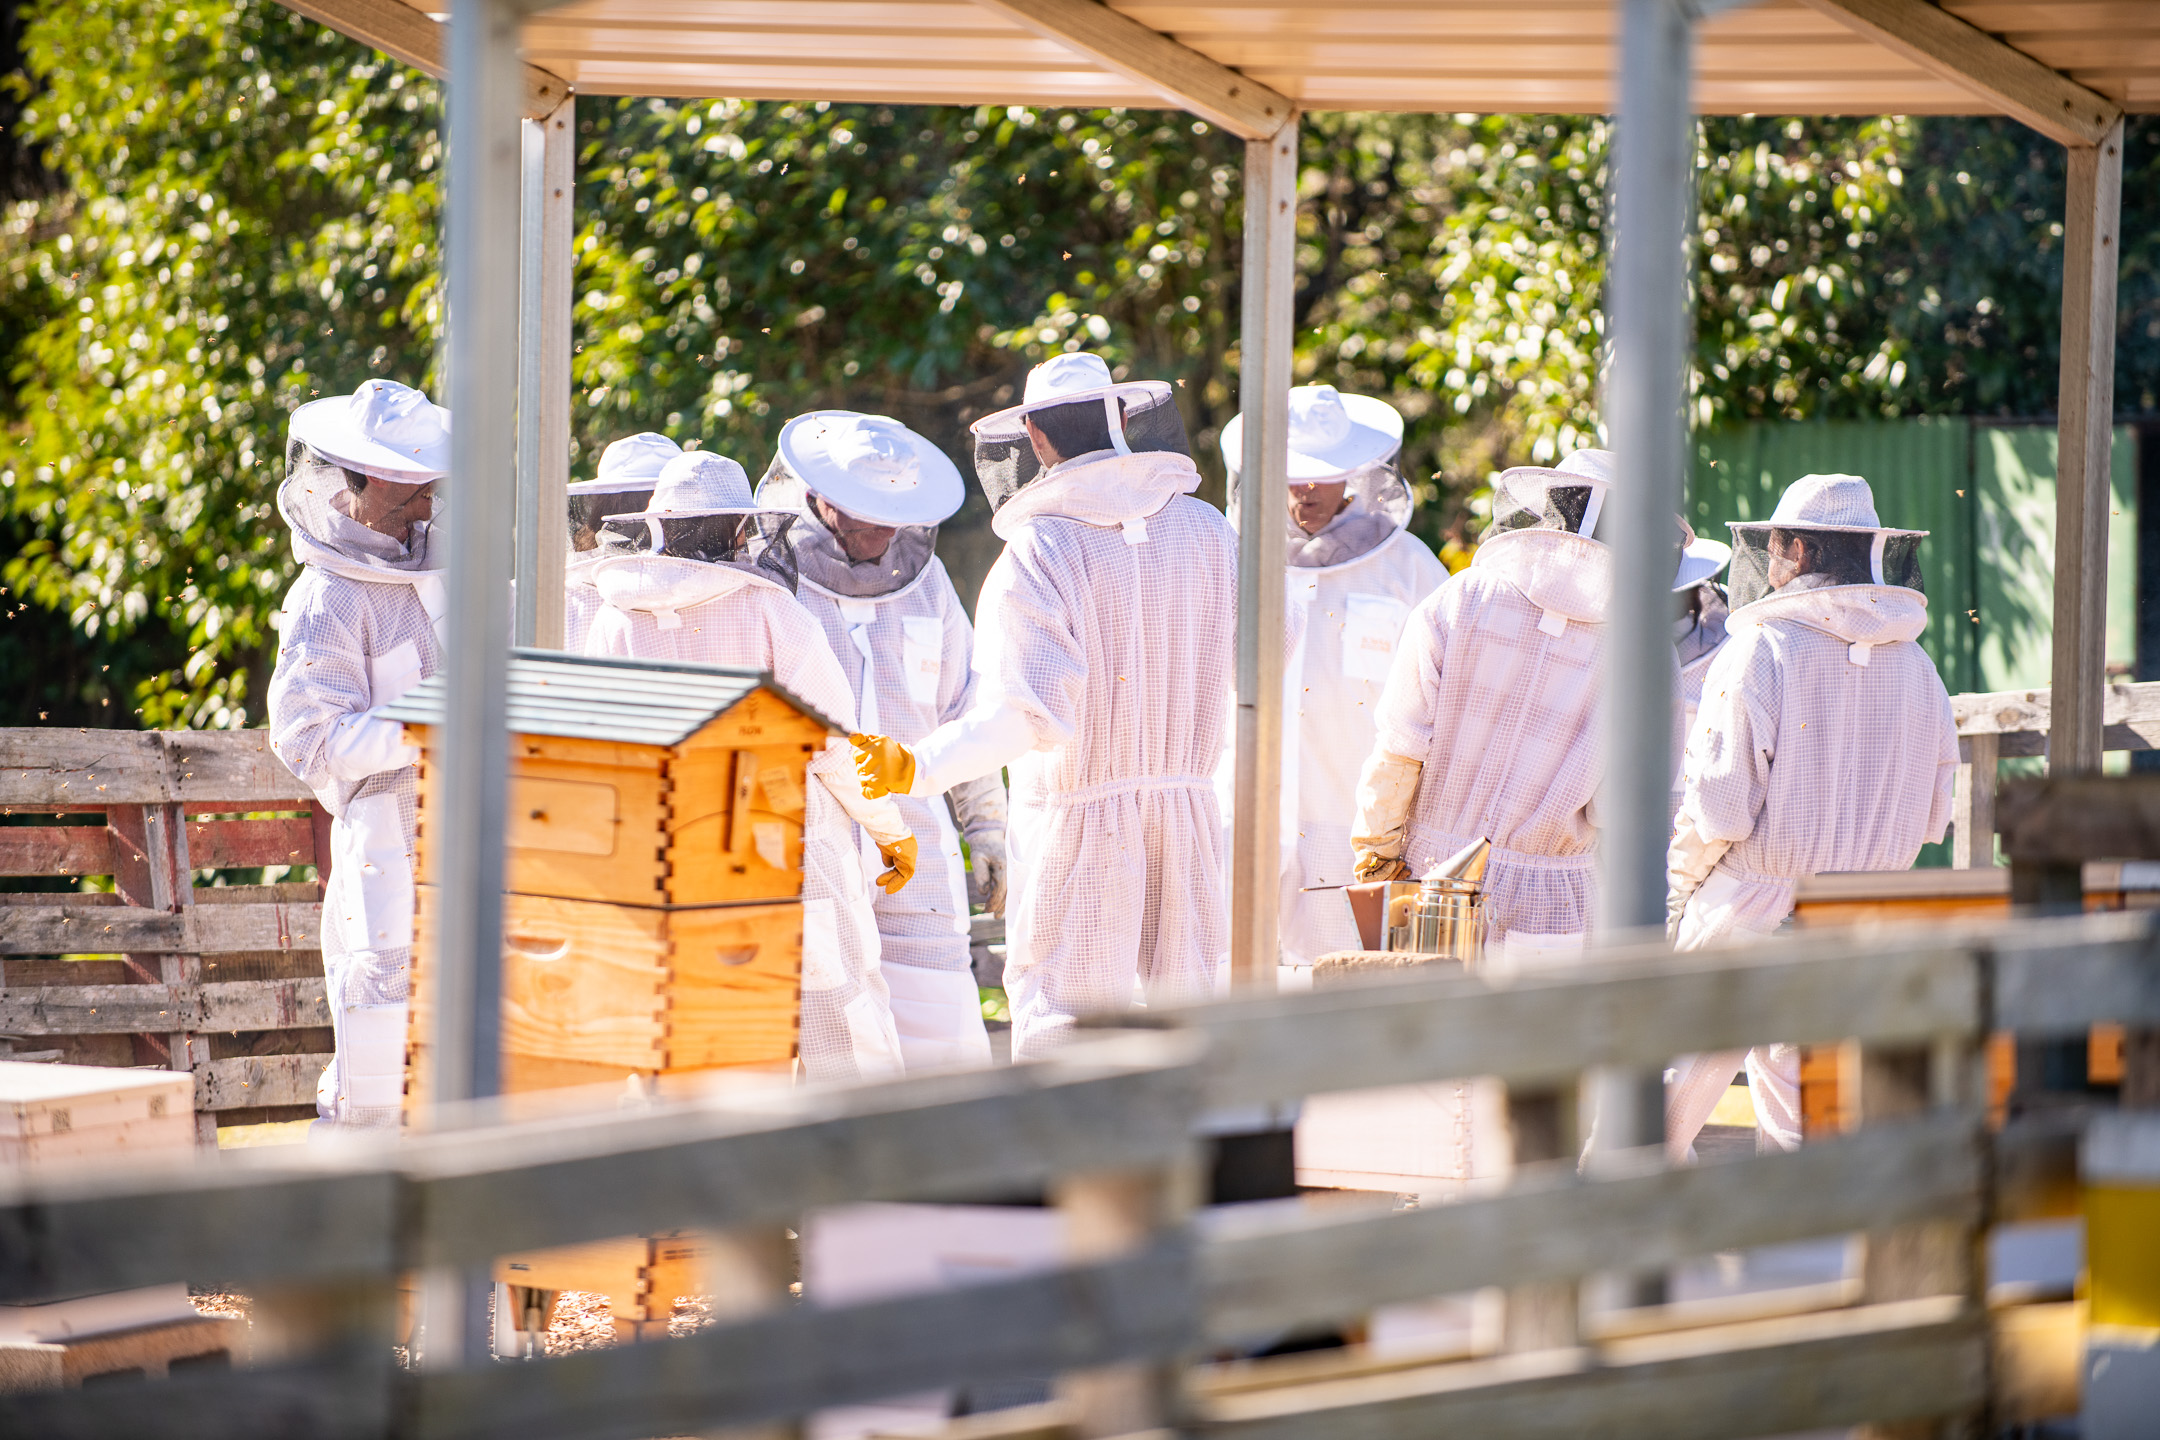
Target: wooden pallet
[221,981]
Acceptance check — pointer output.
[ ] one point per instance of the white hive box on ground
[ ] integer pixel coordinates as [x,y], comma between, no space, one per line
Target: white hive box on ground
[76,1112]
[79,1115]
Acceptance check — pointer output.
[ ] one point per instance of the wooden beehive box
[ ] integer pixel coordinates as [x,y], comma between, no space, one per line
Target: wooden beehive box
[77,1112]
[653,920]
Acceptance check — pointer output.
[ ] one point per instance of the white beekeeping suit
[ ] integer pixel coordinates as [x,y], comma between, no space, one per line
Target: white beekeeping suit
[1355,574]
[1489,726]
[629,467]
[706,575]
[1104,645]
[1824,743]
[871,494]
[1699,624]
[359,628]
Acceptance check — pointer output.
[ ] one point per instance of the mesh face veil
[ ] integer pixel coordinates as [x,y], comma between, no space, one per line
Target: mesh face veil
[823,560]
[1788,559]
[589,512]
[758,543]
[1380,504]
[1141,419]
[309,498]
[1528,500]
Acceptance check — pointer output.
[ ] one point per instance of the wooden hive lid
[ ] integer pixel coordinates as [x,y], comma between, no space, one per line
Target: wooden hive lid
[635,702]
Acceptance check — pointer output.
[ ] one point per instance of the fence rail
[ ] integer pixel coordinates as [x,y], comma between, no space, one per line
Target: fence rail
[224,981]
[1106,1126]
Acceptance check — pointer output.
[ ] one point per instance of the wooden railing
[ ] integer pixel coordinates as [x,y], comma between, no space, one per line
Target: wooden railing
[2009,723]
[221,980]
[1106,1127]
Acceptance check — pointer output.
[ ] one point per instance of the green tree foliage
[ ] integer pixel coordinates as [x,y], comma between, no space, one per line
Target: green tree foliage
[248,208]
[242,213]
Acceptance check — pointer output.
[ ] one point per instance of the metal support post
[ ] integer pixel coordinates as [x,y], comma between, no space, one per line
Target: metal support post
[486,94]
[1645,389]
[1265,338]
[486,109]
[545,232]
[2092,219]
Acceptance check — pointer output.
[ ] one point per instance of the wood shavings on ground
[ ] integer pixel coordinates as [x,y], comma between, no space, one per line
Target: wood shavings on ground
[581,1322]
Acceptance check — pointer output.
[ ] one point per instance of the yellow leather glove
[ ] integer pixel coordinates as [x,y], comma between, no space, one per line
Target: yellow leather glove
[1371,867]
[885,766]
[900,855]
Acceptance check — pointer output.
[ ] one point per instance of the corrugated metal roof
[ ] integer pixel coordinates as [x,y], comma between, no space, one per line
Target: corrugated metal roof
[637,702]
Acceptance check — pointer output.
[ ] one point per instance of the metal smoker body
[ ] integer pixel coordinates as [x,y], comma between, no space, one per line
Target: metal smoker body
[1447,918]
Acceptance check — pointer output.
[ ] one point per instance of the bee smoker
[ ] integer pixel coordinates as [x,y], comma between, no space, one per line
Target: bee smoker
[1447,918]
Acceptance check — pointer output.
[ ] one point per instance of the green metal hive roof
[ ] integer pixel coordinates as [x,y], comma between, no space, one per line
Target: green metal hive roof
[635,702]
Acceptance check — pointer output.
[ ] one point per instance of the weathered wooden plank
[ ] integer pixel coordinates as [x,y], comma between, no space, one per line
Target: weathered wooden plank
[325,1401]
[77,929]
[231,844]
[254,1216]
[1972,814]
[1106,1103]
[2059,989]
[72,929]
[229,765]
[254,1080]
[263,1005]
[48,767]
[721,1164]
[97,1010]
[1631,1007]
[1885,1362]
[56,850]
[2069,819]
[44,766]
[793,1361]
[1267,1270]
[155,1009]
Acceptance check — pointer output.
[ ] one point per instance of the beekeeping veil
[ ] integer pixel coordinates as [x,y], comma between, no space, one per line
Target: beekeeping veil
[1824,535]
[1336,437]
[1139,416]
[701,515]
[1568,497]
[629,468]
[871,468]
[382,431]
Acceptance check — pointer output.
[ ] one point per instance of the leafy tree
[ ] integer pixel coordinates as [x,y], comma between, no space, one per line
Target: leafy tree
[242,213]
[250,206]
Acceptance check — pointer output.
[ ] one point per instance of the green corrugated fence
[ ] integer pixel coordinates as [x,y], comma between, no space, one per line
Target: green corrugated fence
[1985,493]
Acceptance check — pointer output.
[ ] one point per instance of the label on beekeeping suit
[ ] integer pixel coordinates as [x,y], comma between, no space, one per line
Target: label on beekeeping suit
[821,965]
[1371,624]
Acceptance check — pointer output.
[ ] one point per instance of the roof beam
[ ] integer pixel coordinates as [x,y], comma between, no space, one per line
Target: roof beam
[415,38]
[1192,81]
[2006,77]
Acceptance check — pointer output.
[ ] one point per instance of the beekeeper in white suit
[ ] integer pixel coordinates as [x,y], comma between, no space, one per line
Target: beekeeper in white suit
[359,628]
[705,574]
[1104,640]
[629,468]
[1355,574]
[1490,727]
[1824,743]
[1700,607]
[871,494]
